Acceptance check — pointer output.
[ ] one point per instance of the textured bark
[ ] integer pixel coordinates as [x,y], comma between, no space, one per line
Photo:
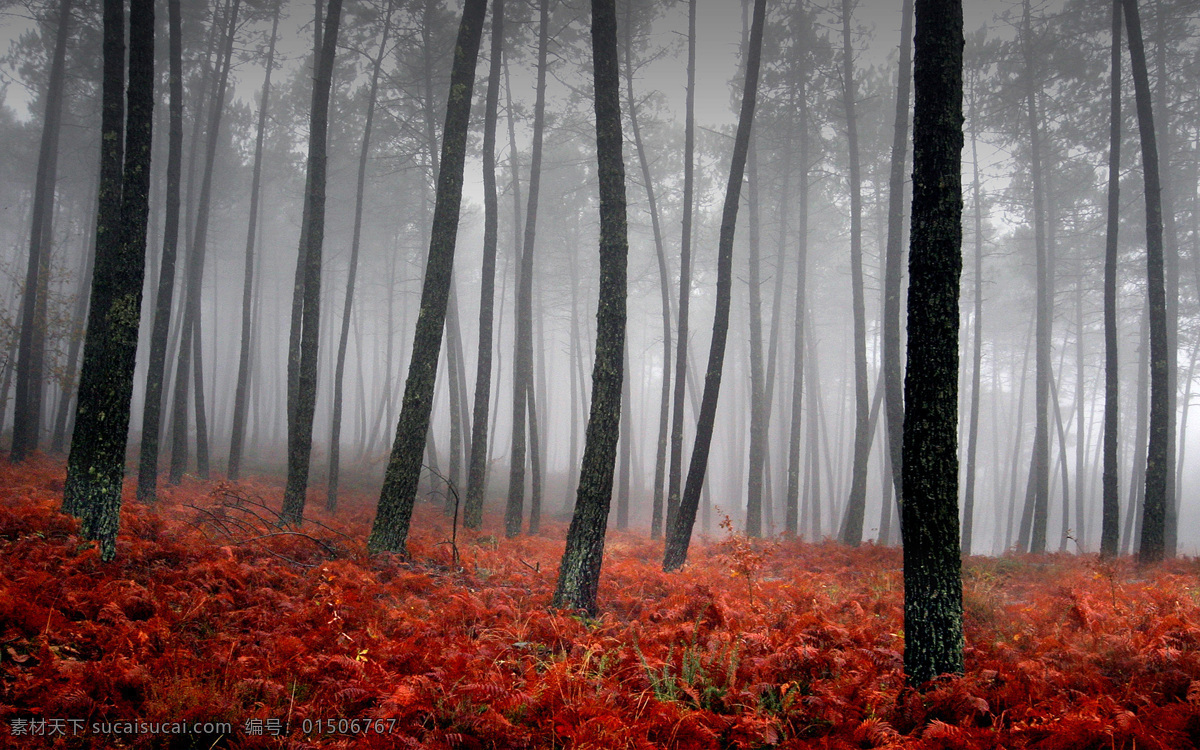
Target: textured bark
[675,467]
[390,530]
[477,456]
[856,504]
[523,340]
[1158,457]
[579,573]
[302,350]
[893,376]
[96,466]
[241,396]
[27,411]
[160,326]
[933,635]
[679,533]
[352,274]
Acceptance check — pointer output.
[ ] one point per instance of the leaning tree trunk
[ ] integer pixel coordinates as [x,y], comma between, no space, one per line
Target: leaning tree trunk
[96,466]
[893,376]
[340,366]
[579,573]
[856,504]
[152,410]
[27,411]
[523,340]
[302,350]
[675,467]
[477,456]
[1158,458]
[933,628]
[241,397]
[679,533]
[390,530]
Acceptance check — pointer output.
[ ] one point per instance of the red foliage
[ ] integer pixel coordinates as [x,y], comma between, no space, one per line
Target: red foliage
[804,652]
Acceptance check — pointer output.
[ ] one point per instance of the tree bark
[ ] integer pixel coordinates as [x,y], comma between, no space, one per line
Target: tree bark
[302,349]
[390,530]
[933,643]
[96,466]
[680,532]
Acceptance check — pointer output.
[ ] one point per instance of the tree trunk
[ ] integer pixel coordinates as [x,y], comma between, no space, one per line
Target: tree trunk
[306,305]
[856,504]
[27,411]
[477,456]
[352,274]
[792,502]
[241,398]
[680,532]
[758,429]
[390,530]
[523,340]
[968,521]
[933,643]
[96,466]
[675,468]
[1158,457]
[579,573]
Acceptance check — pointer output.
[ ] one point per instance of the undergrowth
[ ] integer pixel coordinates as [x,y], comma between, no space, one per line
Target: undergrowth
[752,645]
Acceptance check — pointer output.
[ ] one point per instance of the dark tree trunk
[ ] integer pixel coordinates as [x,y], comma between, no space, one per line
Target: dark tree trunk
[579,573]
[352,274]
[390,530]
[160,327]
[679,533]
[27,411]
[933,643]
[477,456]
[241,397]
[1158,457]
[523,340]
[856,505]
[302,351]
[792,502]
[893,376]
[96,466]
[675,467]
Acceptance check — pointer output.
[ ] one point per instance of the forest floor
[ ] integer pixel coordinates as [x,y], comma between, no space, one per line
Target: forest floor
[304,641]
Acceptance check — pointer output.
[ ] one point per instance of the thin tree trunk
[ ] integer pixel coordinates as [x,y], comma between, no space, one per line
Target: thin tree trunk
[856,505]
[241,399]
[579,573]
[679,534]
[352,274]
[477,471]
[758,436]
[306,305]
[390,530]
[968,522]
[793,520]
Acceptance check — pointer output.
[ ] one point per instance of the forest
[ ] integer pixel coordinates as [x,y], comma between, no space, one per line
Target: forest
[638,373]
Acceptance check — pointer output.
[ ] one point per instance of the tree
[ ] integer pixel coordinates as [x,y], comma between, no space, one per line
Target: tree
[339,370]
[679,533]
[389,533]
[968,517]
[241,397]
[1110,518]
[1153,541]
[27,414]
[160,325]
[579,573]
[856,505]
[933,635]
[96,465]
[477,456]
[523,403]
[306,300]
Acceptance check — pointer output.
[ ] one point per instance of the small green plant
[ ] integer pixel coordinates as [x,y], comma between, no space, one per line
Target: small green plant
[689,679]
